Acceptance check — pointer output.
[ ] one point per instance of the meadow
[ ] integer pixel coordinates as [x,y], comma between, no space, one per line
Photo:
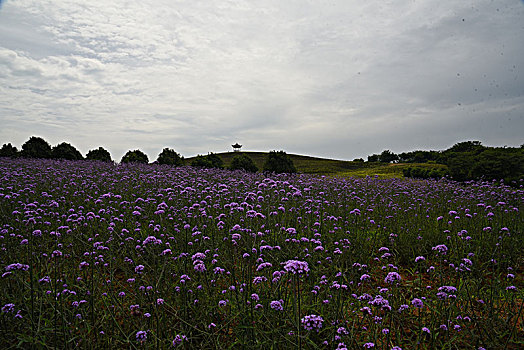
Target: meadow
[96,255]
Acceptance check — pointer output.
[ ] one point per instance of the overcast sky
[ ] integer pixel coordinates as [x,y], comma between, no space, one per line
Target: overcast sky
[339,79]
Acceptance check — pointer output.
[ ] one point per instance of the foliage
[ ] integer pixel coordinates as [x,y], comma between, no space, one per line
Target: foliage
[387,156]
[136,156]
[420,172]
[243,162]
[8,150]
[147,257]
[211,160]
[279,162]
[100,154]
[66,151]
[374,158]
[36,147]
[168,156]
[419,156]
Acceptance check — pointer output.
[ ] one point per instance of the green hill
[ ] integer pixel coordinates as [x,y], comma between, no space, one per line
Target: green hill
[331,167]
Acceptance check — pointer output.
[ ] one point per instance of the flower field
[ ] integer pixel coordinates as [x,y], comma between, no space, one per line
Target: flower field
[97,255]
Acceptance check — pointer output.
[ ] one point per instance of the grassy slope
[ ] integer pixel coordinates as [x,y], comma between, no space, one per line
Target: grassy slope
[322,166]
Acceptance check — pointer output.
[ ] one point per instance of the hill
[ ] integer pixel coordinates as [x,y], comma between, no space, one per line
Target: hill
[331,167]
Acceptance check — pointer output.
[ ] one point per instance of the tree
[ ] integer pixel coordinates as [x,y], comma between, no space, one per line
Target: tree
[100,154]
[387,156]
[212,160]
[279,162]
[243,162]
[136,156]
[66,151]
[373,158]
[36,147]
[8,150]
[170,157]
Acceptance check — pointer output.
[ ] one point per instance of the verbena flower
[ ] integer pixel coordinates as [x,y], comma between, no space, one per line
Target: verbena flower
[416,302]
[392,277]
[141,336]
[312,322]
[296,267]
[276,305]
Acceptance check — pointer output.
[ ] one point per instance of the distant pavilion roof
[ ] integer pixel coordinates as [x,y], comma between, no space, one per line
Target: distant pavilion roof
[236,145]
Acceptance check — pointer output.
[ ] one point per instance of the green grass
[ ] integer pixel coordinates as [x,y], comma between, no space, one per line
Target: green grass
[331,167]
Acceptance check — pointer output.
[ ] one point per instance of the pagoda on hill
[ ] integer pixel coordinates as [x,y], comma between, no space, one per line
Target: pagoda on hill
[236,147]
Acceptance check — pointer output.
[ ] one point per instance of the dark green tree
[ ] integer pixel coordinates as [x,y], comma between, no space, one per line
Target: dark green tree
[460,165]
[373,158]
[100,154]
[8,150]
[65,151]
[243,162]
[279,162]
[136,156]
[212,160]
[466,146]
[170,157]
[387,156]
[36,147]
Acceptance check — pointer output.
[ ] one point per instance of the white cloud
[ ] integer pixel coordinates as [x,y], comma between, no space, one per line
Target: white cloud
[335,78]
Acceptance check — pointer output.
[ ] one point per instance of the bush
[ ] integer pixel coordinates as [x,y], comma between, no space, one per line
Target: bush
[210,161]
[243,162]
[66,151]
[100,154]
[279,162]
[136,156]
[8,150]
[36,147]
[170,157]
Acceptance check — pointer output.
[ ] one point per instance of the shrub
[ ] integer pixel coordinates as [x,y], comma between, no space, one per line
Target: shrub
[8,150]
[210,161]
[136,156]
[279,162]
[100,154]
[243,162]
[36,147]
[170,157]
[65,151]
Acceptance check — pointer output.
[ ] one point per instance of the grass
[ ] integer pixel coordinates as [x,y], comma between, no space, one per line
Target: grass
[331,167]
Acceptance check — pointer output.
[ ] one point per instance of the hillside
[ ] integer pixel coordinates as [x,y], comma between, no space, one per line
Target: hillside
[332,167]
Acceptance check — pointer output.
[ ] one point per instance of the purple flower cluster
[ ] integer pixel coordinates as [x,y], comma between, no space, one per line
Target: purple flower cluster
[312,322]
[296,267]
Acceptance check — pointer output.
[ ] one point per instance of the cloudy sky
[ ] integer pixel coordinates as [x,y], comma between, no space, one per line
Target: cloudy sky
[339,79]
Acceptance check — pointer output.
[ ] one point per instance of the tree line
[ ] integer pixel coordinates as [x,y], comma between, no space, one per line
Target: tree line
[468,160]
[37,147]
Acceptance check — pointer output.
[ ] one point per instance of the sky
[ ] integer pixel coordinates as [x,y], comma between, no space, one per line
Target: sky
[338,79]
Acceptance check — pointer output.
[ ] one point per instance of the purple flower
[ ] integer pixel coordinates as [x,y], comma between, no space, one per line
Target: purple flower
[369,345]
[139,268]
[312,322]
[8,308]
[141,336]
[392,277]
[417,303]
[426,329]
[277,305]
[364,277]
[296,267]
[441,248]
[179,339]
